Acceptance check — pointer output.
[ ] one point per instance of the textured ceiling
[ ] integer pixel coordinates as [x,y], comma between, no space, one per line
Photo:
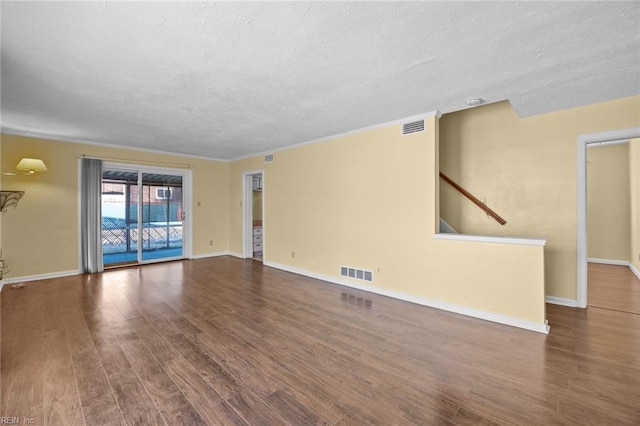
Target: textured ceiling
[225,80]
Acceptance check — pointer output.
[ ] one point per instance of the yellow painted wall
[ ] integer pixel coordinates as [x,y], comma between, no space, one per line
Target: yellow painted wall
[369,200]
[41,235]
[608,202]
[526,171]
[634,178]
[257,205]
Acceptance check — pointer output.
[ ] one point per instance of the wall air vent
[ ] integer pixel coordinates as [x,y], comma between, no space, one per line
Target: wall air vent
[268,158]
[413,127]
[355,273]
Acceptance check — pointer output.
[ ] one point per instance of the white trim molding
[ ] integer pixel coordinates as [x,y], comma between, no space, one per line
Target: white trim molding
[236,254]
[247,211]
[499,240]
[582,142]
[462,310]
[39,277]
[634,270]
[608,143]
[572,303]
[58,138]
[213,254]
[616,263]
[608,261]
[425,116]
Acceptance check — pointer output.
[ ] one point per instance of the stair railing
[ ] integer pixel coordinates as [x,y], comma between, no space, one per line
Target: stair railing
[495,216]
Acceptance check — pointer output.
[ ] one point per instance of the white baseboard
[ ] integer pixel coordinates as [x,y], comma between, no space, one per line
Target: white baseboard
[573,303]
[234,254]
[462,310]
[634,270]
[608,261]
[617,263]
[39,277]
[213,254]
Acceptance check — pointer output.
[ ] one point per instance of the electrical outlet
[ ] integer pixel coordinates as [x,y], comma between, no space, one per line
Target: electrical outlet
[293,254]
[210,242]
[379,269]
[199,203]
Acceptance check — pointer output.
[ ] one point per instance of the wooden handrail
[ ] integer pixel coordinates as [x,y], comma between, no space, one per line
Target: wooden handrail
[495,216]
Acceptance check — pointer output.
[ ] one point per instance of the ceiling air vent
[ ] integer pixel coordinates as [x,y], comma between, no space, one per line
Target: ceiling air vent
[413,127]
[268,158]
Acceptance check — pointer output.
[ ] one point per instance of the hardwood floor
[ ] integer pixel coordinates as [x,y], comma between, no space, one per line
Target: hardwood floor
[613,287]
[226,341]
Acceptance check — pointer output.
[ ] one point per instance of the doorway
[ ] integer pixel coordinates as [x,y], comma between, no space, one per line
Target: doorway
[609,228]
[583,141]
[253,215]
[143,215]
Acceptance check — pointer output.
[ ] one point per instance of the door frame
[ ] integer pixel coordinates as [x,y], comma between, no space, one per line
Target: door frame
[187,196]
[582,142]
[247,213]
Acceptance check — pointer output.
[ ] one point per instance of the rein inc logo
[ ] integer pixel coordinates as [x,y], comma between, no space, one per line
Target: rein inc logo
[13,420]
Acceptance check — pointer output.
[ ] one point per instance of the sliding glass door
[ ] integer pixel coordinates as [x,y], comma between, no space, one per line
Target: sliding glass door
[142,216]
[161,216]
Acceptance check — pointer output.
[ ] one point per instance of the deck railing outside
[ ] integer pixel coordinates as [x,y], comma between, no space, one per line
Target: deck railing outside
[120,237]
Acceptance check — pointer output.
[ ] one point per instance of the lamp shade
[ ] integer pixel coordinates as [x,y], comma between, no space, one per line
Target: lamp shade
[32,165]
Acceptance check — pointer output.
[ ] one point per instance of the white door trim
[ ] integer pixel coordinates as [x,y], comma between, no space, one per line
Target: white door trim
[247,212]
[582,142]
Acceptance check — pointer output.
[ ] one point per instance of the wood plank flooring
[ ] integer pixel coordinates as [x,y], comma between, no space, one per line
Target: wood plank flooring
[227,341]
[613,287]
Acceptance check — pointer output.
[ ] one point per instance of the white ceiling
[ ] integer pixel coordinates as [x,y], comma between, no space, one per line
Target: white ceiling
[225,80]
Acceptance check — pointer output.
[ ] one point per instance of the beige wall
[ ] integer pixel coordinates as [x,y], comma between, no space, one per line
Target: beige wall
[257,205]
[526,171]
[41,235]
[608,202]
[634,178]
[369,200]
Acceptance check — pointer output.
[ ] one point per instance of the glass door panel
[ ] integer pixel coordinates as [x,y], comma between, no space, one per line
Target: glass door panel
[119,217]
[161,216]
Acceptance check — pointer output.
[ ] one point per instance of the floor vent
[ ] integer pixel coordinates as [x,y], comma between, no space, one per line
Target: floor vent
[413,127]
[268,158]
[355,273]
